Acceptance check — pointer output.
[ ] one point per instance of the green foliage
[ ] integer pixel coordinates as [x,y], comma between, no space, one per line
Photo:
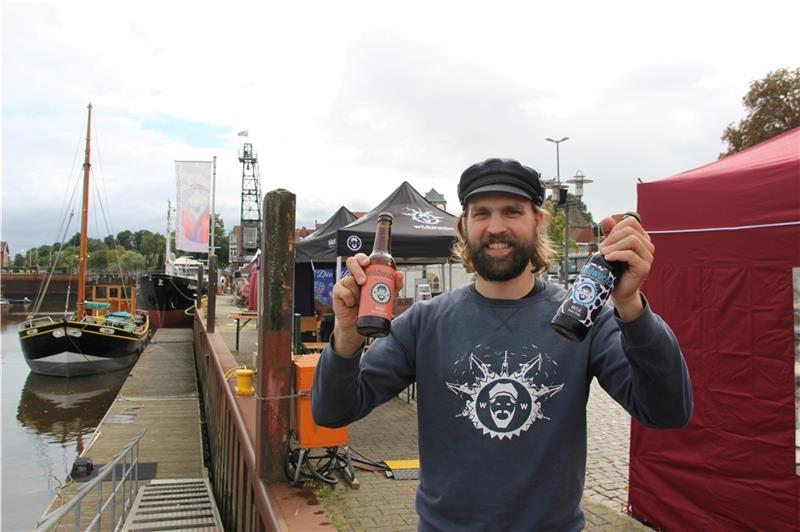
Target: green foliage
[98,261]
[131,261]
[221,241]
[94,244]
[126,239]
[773,107]
[129,251]
[150,245]
[556,228]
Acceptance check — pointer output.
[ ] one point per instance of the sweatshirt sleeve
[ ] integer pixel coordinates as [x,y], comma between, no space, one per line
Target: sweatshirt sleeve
[640,364]
[347,389]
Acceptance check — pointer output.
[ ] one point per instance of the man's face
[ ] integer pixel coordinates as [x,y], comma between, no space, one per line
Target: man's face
[501,235]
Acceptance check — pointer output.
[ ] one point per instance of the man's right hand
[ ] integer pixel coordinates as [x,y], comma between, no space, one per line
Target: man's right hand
[346,298]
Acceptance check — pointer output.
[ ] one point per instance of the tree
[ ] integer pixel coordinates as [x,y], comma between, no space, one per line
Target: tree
[44,256]
[93,244]
[98,261]
[125,239]
[221,241]
[19,260]
[138,238]
[773,106]
[131,261]
[150,245]
[555,230]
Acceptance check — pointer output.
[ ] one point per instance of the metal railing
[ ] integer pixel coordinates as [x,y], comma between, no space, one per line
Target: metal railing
[242,498]
[127,486]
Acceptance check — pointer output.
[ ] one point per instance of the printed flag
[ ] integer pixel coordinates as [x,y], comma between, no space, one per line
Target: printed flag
[193,200]
[244,133]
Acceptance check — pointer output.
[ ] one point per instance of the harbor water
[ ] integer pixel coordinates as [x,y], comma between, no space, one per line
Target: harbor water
[46,423]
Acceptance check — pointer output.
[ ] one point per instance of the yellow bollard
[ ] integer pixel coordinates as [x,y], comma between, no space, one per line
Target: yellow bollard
[244,382]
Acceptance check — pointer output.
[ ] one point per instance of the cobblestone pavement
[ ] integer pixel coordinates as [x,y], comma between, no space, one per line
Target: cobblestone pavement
[390,432]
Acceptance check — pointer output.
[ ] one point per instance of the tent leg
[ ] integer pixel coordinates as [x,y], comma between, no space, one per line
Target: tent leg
[450,277]
[338,268]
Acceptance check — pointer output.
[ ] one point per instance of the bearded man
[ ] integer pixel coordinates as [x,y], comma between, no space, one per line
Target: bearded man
[465,347]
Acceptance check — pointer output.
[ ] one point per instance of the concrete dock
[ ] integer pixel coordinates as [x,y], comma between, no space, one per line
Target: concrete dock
[159,397]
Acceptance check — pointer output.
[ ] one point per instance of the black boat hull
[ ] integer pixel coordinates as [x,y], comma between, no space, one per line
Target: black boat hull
[66,348]
[168,299]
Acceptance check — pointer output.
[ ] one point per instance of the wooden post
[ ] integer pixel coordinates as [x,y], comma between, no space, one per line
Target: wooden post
[199,298]
[211,312]
[276,293]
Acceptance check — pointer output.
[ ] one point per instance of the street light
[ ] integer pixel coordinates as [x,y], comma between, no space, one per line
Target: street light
[557,187]
[558,163]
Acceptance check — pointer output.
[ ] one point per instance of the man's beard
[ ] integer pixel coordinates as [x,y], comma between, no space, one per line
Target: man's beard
[502,268]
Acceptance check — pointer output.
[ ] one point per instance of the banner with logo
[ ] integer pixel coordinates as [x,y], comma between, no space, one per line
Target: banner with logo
[193,205]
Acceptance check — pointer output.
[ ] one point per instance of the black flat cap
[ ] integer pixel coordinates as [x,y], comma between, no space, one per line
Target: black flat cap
[501,175]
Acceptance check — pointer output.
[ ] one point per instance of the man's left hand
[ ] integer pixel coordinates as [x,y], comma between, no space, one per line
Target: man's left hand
[628,242]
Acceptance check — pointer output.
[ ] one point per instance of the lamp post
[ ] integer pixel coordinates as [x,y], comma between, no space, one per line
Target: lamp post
[558,162]
[557,190]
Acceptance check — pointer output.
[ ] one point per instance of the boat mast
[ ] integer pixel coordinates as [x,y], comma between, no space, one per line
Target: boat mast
[211,250]
[81,295]
[167,251]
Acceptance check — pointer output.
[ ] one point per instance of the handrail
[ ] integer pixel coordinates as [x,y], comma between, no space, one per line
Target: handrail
[50,520]
[31,321]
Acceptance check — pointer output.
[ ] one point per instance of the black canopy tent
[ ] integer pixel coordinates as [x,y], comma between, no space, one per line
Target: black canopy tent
[320,246]
[316,251]
[421,232]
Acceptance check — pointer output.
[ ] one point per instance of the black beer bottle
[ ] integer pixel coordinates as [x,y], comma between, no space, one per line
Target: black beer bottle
[587,295]
[377,294]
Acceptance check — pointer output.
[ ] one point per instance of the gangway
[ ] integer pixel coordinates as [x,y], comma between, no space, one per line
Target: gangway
[174,504]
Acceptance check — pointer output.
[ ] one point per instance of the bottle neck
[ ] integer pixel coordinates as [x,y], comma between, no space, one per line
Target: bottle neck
[383,238]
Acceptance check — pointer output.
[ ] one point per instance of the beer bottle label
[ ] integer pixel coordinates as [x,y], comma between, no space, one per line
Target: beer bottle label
[588,293]
[377,294]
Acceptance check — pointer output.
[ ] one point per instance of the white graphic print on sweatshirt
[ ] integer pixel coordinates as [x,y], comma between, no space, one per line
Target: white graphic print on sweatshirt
[504,404]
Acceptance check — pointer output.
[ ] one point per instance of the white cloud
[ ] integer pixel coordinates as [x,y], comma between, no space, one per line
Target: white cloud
[346,100]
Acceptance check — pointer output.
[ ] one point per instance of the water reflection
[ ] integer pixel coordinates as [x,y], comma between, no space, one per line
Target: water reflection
[64,411]
[46,423]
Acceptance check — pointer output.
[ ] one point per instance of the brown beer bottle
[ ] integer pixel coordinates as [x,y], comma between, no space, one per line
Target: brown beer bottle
[377,294]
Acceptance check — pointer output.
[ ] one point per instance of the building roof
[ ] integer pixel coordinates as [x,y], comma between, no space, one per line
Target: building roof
[432,195]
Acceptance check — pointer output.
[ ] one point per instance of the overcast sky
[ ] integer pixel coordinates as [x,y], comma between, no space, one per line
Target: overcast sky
[345,100]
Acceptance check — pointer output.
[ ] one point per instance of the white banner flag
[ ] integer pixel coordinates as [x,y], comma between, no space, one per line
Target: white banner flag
[193,197]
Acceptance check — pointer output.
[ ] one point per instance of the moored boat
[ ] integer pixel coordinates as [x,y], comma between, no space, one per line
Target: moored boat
[169,297]
[104,333]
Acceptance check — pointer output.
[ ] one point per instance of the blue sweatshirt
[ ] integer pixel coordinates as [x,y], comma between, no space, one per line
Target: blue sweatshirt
[502,401]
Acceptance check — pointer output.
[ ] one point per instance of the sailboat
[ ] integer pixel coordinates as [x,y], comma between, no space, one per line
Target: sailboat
[104,333]
[169,296]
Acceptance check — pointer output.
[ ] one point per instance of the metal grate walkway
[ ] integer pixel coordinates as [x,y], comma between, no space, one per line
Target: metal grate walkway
[174,504]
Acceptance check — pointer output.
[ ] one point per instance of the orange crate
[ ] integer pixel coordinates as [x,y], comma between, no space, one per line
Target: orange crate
[309,434]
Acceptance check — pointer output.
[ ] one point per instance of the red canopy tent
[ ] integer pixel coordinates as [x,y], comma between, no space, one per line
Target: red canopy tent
[727,236]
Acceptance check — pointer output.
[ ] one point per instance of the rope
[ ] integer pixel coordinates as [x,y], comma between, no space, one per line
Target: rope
[731,228]
[301,393]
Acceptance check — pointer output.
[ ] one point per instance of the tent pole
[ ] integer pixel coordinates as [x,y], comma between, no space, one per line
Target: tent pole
[450,280]
[338,268]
